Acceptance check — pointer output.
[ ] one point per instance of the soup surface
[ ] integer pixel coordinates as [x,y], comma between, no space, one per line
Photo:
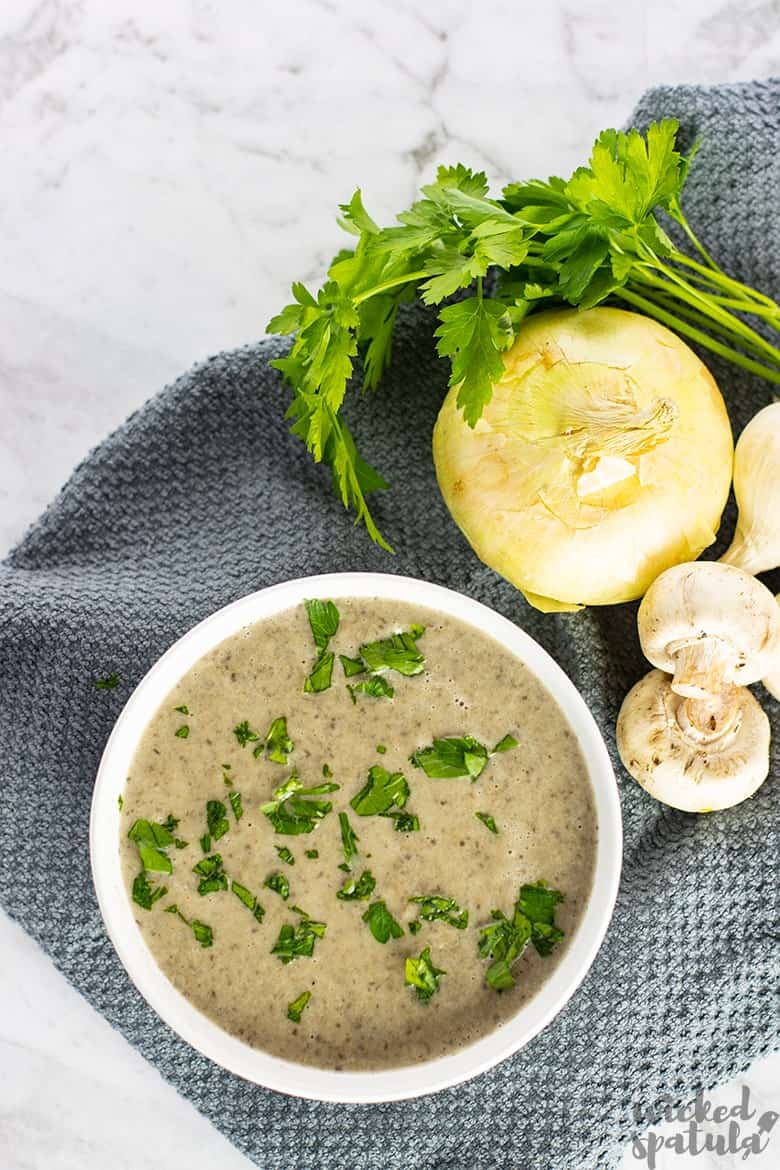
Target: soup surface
[361,1013]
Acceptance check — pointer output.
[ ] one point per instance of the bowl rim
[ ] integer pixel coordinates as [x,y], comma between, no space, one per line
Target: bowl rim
[204,1034]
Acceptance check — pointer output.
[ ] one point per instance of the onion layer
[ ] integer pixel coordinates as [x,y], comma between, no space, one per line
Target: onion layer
[603,457]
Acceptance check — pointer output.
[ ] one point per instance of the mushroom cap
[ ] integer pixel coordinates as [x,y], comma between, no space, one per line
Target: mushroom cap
[675,768]
[723,620]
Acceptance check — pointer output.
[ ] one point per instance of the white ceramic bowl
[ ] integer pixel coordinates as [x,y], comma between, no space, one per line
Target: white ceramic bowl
[232,1053]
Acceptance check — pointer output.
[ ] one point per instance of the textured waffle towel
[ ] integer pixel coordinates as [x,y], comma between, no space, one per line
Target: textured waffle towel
[201,497]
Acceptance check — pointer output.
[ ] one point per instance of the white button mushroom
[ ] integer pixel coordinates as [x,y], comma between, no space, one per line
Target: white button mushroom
[709,625]
[689,732]
[693,754]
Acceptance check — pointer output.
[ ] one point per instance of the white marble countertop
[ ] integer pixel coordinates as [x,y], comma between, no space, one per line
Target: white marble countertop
[167,170]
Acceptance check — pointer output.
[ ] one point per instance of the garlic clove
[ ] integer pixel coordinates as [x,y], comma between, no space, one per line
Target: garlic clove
[772,680]
[665,746]
[756,544]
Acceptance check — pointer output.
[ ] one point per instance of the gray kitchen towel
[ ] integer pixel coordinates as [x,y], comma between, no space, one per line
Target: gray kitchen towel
[201,497]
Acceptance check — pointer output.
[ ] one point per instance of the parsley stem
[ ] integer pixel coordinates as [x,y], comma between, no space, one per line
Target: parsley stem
[718,316]
[407,278]
[678,216]
[725,282]
[732,355]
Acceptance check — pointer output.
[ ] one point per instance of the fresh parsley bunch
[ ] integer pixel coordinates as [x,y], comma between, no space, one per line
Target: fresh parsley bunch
[575,242]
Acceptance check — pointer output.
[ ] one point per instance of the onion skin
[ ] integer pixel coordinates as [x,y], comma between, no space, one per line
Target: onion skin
[498,479]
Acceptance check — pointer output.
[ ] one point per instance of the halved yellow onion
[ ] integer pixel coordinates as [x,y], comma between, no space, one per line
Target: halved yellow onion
[603,457]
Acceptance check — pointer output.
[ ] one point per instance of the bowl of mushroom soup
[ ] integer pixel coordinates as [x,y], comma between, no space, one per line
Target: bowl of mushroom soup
[356,837]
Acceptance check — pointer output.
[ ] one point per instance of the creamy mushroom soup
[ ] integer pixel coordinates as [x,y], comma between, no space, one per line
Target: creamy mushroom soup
[358,835]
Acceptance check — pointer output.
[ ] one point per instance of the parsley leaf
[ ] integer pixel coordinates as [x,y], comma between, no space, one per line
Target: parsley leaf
[349,838]
[381,922]
[321,675]
[106,684]
[277,742]
[291,810]
[435,908]
[244,733]
[422,975]
[399,652]
[312,854]
[182,732]
[203,933]
[376,686]
[457,756]
[183,709]
[352,666]
[295,1009]
[250,901]
[472,334]
[487,821]
[381,792]
[323,620]
[145,894]
[285,854]
[404,822]
[235,804]
[279,884]
[151,840]
[216,820]
[358,890]
[212,874]
[505,939]
[297,941]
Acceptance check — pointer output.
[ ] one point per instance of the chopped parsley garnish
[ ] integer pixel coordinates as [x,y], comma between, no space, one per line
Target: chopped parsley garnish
[145,894]
[295,1009]
[399,652]
[216,821]
[349,839]
[435,908]
[183,731]
[151,840]
[321,675]
[376,687]
[236,805]
[358,890]
[285,855]
[405,822]
[106,684]
[171,824]
[212,875]
[326,771]
[422,975]
[183,710]
[380,747]
[415,926]
[382,791]
[312,854]
[250,901]
[295,942]
[352,666]
[277,742]
[203,933]
[457,756]
[291,812]
[506,744]
[120,802]
[279,884]
[487,821]
[324,622]
[244,734]
[505,939]
[381,922]
[205,843]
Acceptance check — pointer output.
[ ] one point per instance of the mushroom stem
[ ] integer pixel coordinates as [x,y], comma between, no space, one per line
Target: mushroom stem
[702,667]
[710,719]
